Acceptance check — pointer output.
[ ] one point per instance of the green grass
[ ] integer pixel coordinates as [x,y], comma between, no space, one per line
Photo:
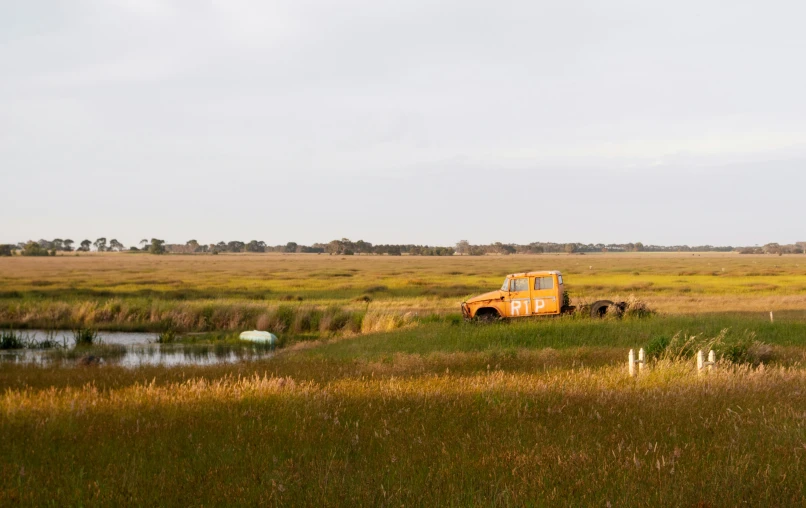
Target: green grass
[208,293]
[400,402]
[377,434]
[560,333]
[15,340]
[440,412]
[85,337]
[11,340]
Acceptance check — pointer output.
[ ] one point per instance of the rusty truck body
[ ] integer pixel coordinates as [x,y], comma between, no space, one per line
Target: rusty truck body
[540,293]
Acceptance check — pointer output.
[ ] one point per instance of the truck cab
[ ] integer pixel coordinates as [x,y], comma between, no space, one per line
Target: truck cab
[521,294]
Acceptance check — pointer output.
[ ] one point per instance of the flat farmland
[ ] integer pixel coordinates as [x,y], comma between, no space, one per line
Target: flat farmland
[125,291]
[383,395]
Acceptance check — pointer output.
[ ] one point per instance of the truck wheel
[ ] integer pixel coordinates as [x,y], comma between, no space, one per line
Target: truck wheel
[487,316]
[599,309]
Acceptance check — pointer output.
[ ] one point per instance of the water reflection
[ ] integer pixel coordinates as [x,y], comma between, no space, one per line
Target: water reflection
[138,350]
[65,337]
[172,355]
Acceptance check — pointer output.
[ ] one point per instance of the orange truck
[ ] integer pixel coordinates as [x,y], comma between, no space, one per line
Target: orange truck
[528,294]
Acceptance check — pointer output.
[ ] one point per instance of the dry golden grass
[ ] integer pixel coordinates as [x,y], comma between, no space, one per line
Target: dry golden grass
[407,433]
[404,407]
[235,291]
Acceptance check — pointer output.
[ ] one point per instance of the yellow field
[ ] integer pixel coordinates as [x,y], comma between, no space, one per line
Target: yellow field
[669,282]
[388,398]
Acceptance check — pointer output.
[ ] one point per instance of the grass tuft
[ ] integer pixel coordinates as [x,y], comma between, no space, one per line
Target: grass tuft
[11,340]
[167,337]
[733,348]
[83,337]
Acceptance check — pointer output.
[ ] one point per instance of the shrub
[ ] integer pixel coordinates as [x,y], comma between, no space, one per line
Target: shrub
[743,349]
[637,308]
[681,346]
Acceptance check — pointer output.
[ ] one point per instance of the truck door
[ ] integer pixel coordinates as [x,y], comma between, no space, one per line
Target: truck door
[519,303]
[544,295]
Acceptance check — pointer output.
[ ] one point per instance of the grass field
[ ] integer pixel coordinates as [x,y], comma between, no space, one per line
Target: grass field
[233,292]
[397,401]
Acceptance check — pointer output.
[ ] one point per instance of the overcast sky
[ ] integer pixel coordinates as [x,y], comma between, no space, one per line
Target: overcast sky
[403,122]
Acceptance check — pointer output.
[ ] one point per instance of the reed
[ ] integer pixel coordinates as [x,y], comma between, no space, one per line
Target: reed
[85,337]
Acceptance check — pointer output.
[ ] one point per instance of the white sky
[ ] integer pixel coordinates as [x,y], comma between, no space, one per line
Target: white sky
[403,122]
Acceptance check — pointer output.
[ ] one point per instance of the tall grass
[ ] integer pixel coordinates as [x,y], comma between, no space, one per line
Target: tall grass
[85,337]
[448,335]
[732,347]
[10,340]
[167,337]
[206,293]
[13,339]
[203,316]
[401,402]
[578,436]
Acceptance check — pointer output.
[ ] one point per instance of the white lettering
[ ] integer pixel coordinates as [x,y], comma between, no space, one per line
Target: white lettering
[515,308]
[540,304]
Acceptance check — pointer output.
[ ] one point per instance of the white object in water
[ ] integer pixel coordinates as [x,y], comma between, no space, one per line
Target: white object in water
[258,336]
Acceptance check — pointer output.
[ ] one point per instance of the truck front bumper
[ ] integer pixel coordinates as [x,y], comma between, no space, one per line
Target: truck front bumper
[465,310]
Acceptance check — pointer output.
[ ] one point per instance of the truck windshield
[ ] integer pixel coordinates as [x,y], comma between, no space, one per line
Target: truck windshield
[505,287]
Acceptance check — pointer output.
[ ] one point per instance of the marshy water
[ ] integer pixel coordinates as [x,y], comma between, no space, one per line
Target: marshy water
[128,349]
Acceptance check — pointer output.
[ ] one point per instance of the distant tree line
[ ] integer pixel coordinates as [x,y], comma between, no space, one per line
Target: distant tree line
[346,247]
[51,247]
[774,248]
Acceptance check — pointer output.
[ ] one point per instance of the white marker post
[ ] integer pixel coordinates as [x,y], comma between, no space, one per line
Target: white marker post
[632,361]
[701,363]
[771,318]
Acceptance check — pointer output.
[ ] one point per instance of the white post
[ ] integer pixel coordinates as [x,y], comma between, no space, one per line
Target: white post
[771,319]
[640,360]
[631,360]
[699,361]
[711,360]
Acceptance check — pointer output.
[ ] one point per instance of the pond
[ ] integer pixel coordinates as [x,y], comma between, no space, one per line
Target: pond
[129,349]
